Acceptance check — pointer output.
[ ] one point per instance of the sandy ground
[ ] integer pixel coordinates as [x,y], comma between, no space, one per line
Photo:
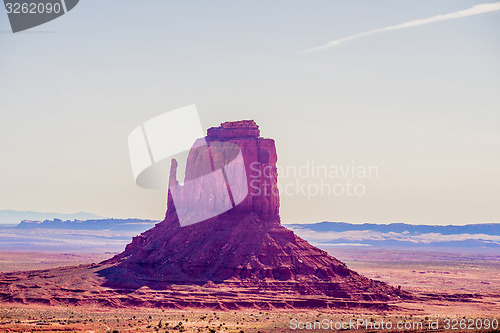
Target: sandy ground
[20,318]
[423,270]
[29,261]
[426,273]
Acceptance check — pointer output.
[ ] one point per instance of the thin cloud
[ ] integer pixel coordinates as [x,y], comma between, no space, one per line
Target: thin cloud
[478,9]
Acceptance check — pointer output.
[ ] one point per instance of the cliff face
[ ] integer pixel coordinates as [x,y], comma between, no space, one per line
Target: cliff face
[232,168]
[245,245]
[260,159]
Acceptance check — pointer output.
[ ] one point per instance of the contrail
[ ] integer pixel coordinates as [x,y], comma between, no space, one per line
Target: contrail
[478,9]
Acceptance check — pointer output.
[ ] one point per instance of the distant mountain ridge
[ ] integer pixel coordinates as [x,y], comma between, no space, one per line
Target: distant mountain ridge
[483,228]
[9,216]
[138,225]
[94,235]
[486,235]
[114,234]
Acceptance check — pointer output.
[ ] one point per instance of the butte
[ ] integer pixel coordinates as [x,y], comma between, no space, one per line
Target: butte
[239,257]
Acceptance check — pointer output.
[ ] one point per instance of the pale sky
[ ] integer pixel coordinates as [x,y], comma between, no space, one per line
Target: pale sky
[421,103]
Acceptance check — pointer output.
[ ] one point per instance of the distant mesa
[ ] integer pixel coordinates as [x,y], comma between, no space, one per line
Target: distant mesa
[14,216]
[94,224]
[478,238]
[241,258]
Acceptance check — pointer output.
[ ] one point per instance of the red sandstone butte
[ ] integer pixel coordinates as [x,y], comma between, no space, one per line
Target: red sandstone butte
[246,246]
[239,259]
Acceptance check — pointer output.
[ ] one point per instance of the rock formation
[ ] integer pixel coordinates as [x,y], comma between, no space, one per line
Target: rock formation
[245,246]
[232,168]
[242,257]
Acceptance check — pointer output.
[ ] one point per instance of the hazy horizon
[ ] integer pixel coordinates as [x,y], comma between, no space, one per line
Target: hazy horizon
[142,218]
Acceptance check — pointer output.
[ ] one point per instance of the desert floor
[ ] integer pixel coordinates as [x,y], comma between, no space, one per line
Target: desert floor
[425,273]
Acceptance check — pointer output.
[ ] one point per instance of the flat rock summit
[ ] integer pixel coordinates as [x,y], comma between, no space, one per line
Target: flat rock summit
[239,257]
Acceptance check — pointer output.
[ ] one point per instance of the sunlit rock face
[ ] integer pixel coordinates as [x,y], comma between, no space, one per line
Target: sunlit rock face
[231,168]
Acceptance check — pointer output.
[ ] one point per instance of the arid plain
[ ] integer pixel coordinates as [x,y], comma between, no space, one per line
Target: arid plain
[455,287]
